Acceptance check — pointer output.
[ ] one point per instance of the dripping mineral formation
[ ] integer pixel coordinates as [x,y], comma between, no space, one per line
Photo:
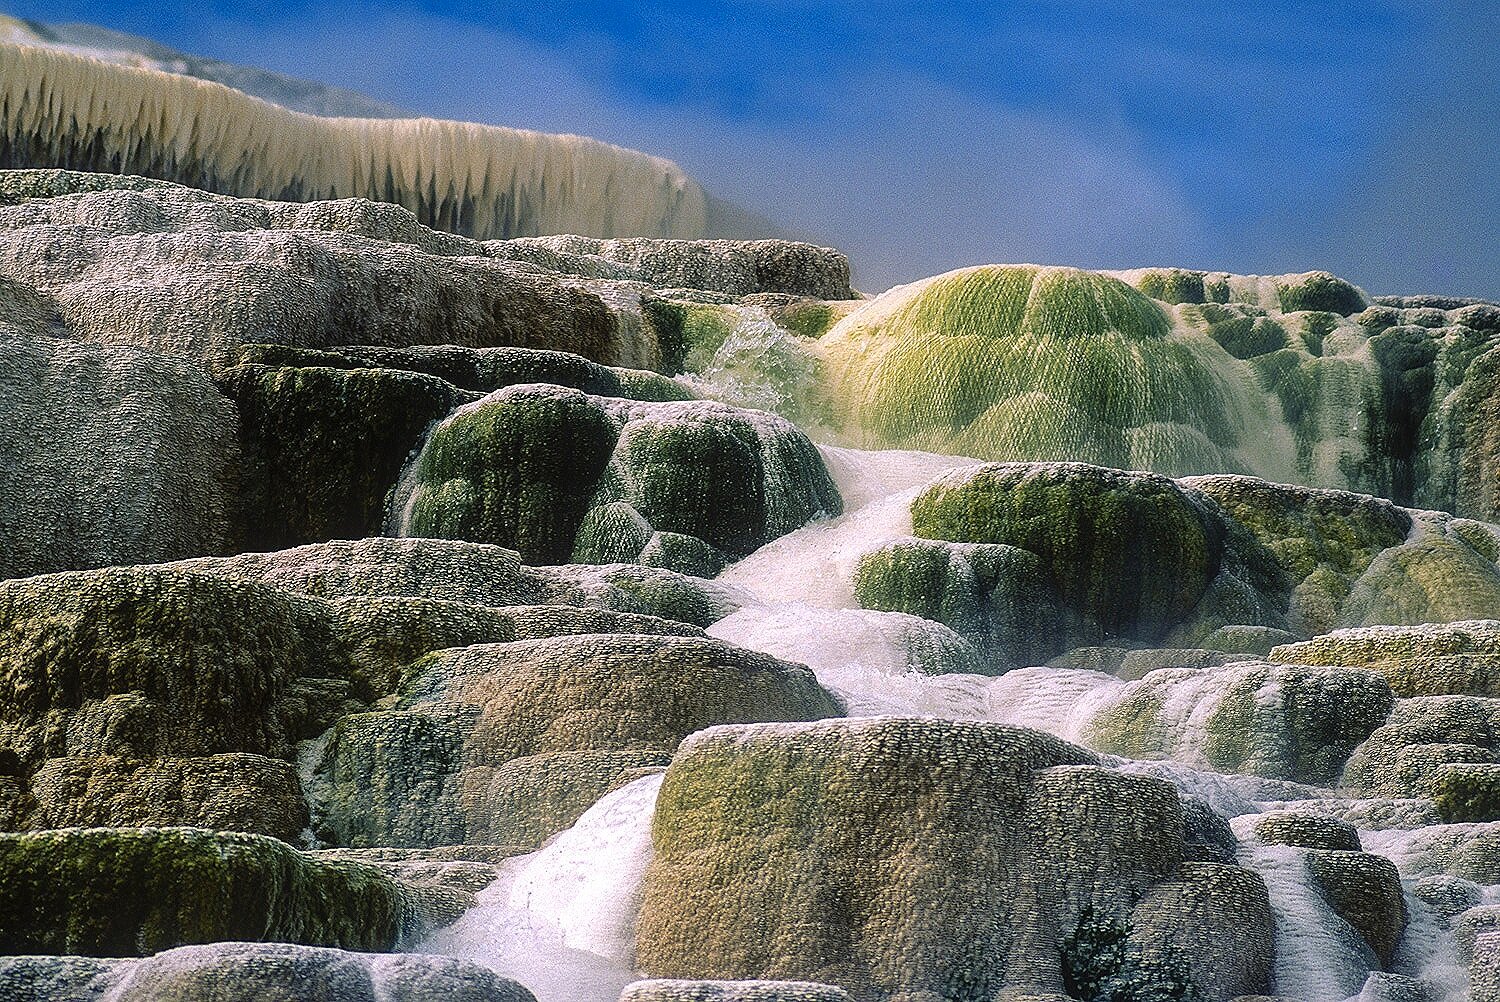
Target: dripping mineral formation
[64,109]
[391,614]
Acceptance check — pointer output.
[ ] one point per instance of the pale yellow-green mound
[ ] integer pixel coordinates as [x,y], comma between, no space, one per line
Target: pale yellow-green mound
[1020,362]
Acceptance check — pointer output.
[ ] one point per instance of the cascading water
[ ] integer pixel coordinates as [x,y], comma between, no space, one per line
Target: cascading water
[800,606]
[815,565]
[562,919]
[1318,954]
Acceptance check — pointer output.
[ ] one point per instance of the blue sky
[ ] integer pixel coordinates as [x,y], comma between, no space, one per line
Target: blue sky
[1359,137]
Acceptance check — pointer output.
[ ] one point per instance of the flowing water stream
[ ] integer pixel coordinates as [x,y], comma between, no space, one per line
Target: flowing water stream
[561,919]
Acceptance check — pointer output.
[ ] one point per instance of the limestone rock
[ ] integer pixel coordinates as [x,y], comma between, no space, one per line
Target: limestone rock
[57,979]
[484,179]
[841,839]
[218,284]
[112,456]
[1365,890]
[888,643]
[1446,895]
[256,972]
[230,792]
[1183,925]
[665,990]
[1381,986]
[1406,755]
[737,268]
[1311,831]
[471,573]
[1470,925]
[1484,971]
[513,742]
[377,636]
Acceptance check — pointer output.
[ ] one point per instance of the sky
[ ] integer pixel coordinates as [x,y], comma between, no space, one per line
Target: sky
[1359,138]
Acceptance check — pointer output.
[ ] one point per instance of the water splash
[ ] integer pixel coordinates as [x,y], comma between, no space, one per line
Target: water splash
[759,365]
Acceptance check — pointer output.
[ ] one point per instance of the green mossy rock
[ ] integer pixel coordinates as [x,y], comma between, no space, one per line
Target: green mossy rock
[1312,290]
[1020,363]
[695,478]
[133,891]
[154,695]
[1467,791]
[1244,331]
[517,468]
[525,466]
[1321,541]
[998,597]
[1318,290]
[899,857]
[677,462]
[684,554]
[388,778]
[1460,658]
[1469,427]
[1242,639]
[1434,579]
[206,660]
[1130,554]
[613,533]
[322,446]
[1172,285]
